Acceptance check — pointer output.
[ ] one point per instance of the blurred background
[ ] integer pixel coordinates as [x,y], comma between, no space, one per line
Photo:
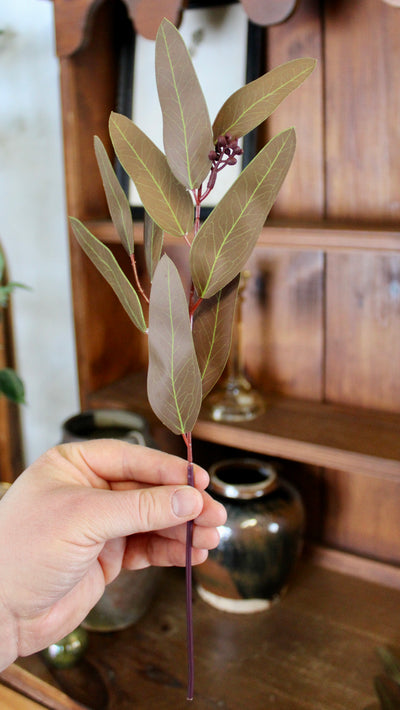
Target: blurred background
[33,219]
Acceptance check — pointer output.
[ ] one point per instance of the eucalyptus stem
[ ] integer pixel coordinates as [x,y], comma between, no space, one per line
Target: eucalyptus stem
[137,280]
[189,585]
[187,437]
[218,163]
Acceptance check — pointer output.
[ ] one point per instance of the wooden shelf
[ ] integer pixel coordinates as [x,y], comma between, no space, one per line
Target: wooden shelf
[313,236]
[354,440]
[357,441]
[314,649]
[311,316]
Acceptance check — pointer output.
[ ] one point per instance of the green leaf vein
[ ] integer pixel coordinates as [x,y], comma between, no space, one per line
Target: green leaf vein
[234,224]
[156,183]
[180,107]
[264,97]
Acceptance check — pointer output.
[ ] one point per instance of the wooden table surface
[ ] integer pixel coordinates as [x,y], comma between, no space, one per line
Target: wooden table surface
[314,650]
[10,700]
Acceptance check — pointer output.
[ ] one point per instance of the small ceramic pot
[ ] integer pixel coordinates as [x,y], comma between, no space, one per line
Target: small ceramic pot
[129,596]
[108,424]
[260,542]
[124,601]
[67,652]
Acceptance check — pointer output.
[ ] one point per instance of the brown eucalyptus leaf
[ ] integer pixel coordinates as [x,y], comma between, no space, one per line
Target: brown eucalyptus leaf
[173,380]
[117,201]
[153,243]
[187,130]
[252,104]
[164,198]
[212,333]
[104,260]
[227,237]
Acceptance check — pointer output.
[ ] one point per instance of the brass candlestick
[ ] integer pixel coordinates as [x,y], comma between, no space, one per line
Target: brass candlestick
[234,398]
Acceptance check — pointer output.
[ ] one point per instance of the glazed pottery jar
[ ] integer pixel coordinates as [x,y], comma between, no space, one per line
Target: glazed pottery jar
[67,652]
[109,424]
[129,596]
[260,542]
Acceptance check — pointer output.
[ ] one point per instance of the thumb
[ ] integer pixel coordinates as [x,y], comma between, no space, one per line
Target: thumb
[121,513]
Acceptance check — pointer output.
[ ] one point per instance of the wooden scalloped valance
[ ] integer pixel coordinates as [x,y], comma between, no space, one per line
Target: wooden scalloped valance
[72,17]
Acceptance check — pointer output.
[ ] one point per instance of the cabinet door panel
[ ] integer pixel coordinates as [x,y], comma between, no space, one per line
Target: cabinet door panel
[361,514]
[302,194]
[363,334]
[362,110]
[283,311]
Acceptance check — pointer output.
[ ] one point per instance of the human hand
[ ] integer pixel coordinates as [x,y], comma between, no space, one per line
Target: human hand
[78,515]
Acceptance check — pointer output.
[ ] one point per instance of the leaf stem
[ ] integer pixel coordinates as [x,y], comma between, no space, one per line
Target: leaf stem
[136,275]
[189,604]
[195,306]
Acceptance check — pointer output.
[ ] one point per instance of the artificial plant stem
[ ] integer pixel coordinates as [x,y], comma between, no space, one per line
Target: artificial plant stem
[195,304]
[136,275]
[194,307]
[189,605]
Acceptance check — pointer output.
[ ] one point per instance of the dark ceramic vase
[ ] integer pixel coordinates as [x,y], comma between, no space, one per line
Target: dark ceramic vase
[107,424]
[260,542]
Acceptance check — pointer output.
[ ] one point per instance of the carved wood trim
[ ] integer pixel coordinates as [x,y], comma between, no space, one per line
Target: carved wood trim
[72,17]
[72,22]
[269,12]
[146,15]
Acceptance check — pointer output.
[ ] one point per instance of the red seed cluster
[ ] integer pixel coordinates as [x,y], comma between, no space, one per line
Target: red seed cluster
[228,146]
[225,153]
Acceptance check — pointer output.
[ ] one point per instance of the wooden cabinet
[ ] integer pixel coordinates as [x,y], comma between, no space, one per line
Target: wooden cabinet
[322,308]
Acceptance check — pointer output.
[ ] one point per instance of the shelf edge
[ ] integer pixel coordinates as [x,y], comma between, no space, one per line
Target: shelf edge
[382,573]
[302,451]
[313,237]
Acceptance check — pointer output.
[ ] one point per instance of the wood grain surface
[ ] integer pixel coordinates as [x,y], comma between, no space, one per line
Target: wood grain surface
[314,650]
[10,700]
[37,689]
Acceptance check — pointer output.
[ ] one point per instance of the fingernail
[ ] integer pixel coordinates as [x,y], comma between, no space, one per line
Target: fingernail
[185,501]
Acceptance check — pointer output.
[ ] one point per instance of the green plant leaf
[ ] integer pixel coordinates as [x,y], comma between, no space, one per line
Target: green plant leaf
[173,381]
[388,692]
[390,662]
[6,291]
[212,333]
[226,239]
[253,103]
[187,130]
[164,198]
[118,203]
[153,243]
[12,386]
[105,261]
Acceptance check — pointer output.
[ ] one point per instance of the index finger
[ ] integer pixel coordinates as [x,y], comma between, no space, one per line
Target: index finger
[118,461]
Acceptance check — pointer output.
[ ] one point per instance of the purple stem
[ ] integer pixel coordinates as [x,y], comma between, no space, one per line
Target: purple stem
[189,603]
[189,611]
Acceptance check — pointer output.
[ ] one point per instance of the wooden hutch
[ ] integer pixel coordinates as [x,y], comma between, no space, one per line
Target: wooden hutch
[321,341]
